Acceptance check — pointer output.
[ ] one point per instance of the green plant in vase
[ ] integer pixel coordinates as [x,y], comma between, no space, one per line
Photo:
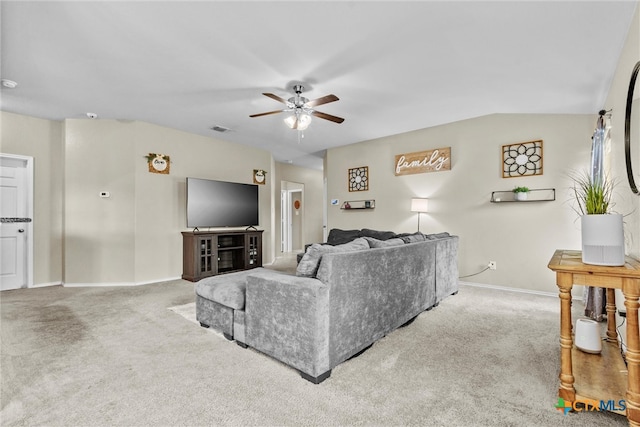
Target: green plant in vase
[602,230]
[593,196]
[521,193]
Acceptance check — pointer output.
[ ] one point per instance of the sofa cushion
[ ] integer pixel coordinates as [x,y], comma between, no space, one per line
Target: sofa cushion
[380,235]
[437,236]
[339,237]
[412,238]
[308,266]
[375,243]
[229,293]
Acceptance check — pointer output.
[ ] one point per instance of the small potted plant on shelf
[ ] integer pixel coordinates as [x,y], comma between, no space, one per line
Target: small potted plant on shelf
[521,193]
[602,229]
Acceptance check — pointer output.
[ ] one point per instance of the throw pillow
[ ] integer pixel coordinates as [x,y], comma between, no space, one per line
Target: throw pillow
[308,266]
[412,238]
[380,235]
[375,243]
[339,237]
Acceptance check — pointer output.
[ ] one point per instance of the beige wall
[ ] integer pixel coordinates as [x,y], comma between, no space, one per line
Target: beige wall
[99,232]
[191,156]
[42,140]
[134,236]
[520,237]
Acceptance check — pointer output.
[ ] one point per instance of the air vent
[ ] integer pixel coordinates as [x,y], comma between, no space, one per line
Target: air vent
[220,129]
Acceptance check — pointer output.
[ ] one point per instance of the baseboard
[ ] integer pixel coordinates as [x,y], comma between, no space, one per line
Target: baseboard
[44,285]
[523,291]
[119,284]
[97,285]
[150,282]
[508,289]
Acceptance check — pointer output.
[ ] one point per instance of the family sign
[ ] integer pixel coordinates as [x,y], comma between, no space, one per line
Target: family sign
[423,161]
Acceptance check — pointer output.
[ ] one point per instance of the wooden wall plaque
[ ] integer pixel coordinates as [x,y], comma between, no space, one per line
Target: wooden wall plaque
[437,160]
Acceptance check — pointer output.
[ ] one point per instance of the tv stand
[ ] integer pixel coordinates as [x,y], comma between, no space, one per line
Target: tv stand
[208,253]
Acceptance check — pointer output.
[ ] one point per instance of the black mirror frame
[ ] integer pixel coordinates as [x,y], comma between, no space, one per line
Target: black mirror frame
[627,128]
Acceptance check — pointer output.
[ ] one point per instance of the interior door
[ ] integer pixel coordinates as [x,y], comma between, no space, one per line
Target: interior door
[15,225]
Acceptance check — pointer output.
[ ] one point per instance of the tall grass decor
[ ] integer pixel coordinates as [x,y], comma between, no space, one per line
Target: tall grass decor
[593,196]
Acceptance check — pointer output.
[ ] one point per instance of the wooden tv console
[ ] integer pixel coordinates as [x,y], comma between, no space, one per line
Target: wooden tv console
[600,377]
[207,253]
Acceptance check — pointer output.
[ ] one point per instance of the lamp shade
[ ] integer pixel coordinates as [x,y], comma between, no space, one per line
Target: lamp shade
[419,205]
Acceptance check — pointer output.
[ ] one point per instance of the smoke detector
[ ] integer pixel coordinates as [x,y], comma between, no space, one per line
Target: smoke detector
[220,129]
[9,84]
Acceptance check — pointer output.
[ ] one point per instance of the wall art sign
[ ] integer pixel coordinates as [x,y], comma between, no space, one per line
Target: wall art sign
[522,159]
[359,179]
[437,160]
[158,163]
[259,176]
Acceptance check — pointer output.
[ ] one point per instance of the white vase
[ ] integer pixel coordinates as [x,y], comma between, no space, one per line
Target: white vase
[603,239]
[521,196]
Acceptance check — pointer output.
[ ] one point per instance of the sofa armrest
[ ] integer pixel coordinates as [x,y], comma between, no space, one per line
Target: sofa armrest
[287,317]
[446,267]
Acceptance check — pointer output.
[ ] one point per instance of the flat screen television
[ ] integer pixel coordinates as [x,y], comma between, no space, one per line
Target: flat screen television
[221,204]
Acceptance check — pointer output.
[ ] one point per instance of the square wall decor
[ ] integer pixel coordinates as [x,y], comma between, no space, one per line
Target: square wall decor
[359,179]
[522,159]
[159,163]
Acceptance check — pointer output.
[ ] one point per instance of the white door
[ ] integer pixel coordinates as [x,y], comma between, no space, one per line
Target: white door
[16,174]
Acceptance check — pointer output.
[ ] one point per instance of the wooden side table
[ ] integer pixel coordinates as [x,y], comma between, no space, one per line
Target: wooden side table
[600,377]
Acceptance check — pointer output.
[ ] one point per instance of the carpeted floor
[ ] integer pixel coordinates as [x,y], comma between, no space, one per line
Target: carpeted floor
[121,357]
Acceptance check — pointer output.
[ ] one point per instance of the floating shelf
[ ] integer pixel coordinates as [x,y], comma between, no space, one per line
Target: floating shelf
[535,195]
[349,205]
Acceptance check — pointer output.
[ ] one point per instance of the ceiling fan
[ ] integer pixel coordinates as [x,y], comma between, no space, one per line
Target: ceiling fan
[302,109]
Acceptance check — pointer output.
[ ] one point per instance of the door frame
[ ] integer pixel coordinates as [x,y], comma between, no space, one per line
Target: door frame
[28,160]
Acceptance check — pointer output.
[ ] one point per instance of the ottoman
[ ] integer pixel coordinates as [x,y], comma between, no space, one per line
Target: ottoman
[220,302]
[217,300]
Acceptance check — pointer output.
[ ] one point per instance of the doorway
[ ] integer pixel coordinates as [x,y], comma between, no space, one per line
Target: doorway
[292,216]
[16,226]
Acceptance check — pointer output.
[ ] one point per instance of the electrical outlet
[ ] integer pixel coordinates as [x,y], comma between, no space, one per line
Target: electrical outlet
[492,265]
[622,313]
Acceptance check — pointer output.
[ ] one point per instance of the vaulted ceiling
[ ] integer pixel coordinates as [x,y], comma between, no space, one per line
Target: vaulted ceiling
[396,66]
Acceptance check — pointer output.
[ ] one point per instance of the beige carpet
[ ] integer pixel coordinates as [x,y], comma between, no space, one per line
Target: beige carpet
[188,311]
[120,357]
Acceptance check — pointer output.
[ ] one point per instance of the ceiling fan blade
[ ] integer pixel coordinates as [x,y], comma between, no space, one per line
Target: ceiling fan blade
[327,116]
[267,113]
[324,100]
[275,97]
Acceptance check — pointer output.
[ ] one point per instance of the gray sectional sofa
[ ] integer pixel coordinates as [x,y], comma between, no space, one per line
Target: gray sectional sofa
[342,299]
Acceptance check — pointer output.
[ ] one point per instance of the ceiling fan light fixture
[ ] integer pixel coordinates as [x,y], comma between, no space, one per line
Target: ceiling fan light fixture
[301,109]
[298,121]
